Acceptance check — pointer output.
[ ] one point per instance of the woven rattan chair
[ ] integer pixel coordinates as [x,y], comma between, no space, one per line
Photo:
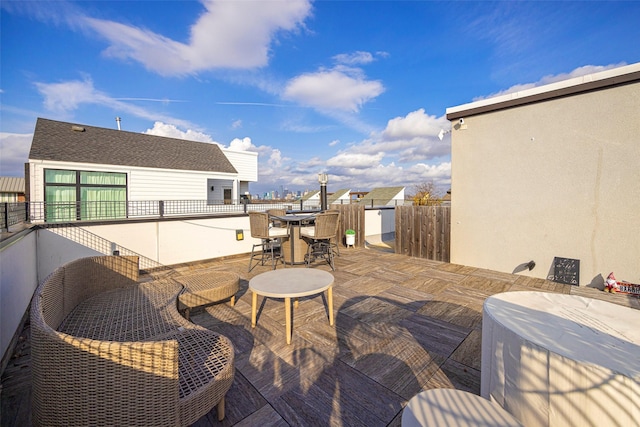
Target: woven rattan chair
[106,350]
[335,242]
[319,236]
[275,221]
[270,240]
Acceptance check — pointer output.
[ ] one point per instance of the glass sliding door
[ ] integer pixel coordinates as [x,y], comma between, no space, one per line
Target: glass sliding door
[60,195]
[103,195]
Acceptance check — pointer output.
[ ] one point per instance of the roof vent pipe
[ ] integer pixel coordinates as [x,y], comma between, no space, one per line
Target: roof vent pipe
[118,122]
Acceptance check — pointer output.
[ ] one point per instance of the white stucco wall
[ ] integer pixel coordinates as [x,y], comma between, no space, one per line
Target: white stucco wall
[379,222]
[559,177]
[174,242]
[18,281]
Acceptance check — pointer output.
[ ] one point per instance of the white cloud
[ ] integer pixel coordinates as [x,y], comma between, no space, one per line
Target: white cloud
[355,160]
[171,131]
[275,159]
[66,97]
[229,34]
[414,124]
[332,90]
[334,143]
[15,152]
[553,78]
[410,138]
[243,144]
[237,124]
[358,57]
[354,58]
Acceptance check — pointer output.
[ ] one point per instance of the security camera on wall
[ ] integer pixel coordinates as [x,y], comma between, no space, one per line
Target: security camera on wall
[461,121]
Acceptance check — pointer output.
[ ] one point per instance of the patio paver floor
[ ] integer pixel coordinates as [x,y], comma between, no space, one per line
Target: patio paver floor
[402,325]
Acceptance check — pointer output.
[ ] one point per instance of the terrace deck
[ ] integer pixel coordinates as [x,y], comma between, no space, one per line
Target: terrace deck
[402,325]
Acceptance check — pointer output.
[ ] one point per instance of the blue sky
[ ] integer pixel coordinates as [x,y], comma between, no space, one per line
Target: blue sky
[356,89]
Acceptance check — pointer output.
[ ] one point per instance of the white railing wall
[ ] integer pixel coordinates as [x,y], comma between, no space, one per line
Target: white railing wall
[18,281]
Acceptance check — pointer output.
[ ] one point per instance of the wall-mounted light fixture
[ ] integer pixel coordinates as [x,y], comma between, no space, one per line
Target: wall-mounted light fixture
[213,188]
[525,266]
[443,133]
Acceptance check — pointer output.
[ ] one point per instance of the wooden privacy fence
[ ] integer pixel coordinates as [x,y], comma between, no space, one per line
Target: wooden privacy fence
[351,217]
[424,232]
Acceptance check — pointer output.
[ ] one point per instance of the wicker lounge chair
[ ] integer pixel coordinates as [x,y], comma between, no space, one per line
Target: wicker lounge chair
[107,350]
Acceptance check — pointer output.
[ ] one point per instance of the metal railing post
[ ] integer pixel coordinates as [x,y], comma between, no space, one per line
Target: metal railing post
[161,207]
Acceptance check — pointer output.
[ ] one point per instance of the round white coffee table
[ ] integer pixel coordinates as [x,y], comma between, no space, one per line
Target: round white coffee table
[558,360]
[287,284]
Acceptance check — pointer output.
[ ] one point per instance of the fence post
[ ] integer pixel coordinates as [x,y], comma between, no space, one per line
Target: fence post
[5,217]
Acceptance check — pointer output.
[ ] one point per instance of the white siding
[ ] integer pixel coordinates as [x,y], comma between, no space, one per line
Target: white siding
[245,162]
[143,183]
[158,184]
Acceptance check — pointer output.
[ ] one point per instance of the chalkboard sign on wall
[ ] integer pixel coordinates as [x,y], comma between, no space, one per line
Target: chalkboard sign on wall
[566,270]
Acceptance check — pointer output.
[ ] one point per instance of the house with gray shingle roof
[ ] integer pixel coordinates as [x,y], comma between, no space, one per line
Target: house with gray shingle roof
[340,197]
[311,200]
[74,163]
[383,196]
[11,189]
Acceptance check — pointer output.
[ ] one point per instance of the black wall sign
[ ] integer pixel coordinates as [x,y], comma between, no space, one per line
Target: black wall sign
[566,270]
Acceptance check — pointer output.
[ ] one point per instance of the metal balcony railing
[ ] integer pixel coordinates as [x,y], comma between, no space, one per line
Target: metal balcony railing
[13,213]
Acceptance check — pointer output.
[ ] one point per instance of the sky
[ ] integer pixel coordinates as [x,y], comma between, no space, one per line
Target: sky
[355,89]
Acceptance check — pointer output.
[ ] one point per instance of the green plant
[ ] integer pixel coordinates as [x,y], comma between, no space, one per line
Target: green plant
[350,231]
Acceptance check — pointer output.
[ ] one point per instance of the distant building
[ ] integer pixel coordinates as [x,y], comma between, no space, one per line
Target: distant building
[11,189]
[311,200]
[340,197]
[71,164]
[384,196]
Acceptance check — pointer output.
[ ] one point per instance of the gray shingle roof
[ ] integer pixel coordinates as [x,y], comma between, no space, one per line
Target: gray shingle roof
[58,141]
[337,195]
[381,195]
[310,195]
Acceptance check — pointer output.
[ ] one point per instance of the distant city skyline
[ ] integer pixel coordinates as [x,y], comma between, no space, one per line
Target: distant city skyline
[357,90]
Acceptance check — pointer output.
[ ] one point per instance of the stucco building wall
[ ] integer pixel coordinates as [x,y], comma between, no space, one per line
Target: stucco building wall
[555,177]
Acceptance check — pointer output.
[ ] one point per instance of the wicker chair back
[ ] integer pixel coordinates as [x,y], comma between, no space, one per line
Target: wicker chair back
[259,224]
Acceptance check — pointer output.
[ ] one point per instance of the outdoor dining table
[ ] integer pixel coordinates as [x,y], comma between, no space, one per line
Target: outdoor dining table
[294,248]
[557,360]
